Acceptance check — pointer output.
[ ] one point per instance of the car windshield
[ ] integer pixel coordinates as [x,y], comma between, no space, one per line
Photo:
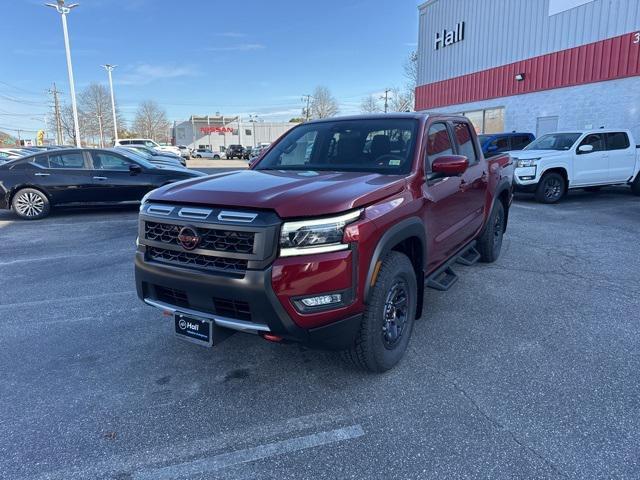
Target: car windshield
[554,141]
[136,158]
[368,145]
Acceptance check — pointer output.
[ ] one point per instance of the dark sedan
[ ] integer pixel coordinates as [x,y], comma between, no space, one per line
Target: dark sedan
[31,185]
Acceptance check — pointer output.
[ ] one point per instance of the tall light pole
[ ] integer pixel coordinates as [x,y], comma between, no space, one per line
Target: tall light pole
[109,69]
[64,10]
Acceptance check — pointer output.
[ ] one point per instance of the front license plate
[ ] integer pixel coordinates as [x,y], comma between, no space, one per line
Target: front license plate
[196,330]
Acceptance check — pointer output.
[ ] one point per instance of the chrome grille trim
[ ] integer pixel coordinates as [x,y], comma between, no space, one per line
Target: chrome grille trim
[228,216]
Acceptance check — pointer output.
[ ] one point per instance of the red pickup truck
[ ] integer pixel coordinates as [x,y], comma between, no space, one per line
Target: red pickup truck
[329,238]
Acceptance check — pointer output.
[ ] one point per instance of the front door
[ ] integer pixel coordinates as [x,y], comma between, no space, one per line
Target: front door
[591,168]
[113,180]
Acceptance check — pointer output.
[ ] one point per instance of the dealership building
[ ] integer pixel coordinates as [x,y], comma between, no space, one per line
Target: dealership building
[532,65]
[218,131]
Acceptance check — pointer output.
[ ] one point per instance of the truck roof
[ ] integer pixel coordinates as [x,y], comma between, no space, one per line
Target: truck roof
[380,116]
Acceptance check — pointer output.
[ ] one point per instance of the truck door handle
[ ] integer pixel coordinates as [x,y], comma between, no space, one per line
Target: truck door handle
[39,174]
[99,178]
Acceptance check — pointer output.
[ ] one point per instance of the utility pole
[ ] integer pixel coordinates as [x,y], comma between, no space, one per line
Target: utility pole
[307,112]
[56,109]
[109,69]
[386,99]
[64,10]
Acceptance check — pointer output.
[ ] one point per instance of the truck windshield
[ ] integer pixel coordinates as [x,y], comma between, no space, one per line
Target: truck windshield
[373,145]
[554,141]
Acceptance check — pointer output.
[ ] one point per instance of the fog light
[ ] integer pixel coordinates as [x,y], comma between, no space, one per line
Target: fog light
[531,177]
[322,300]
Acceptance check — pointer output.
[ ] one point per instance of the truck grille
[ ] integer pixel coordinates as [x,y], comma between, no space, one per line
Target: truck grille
[195,260]
[172,296]
[216,240]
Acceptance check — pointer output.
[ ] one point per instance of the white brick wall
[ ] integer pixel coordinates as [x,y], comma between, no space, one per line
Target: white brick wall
[611,104]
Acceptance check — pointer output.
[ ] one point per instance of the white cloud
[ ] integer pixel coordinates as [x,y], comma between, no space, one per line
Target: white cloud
[240,47]
[146,73]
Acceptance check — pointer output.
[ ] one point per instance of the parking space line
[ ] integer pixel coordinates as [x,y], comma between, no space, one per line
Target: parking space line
[224,460]
[60,257]
[66,299]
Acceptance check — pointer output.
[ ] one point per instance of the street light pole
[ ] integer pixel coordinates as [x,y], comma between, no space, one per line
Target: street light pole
[109,69]
[64,10]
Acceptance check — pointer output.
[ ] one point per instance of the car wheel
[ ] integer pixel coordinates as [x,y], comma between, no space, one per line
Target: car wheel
[388,319]
[30,204]
[551,188]
[490,242]
[216,157]
[635,186]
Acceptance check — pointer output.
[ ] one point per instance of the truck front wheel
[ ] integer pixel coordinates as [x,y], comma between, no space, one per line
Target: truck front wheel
[551,188]
[388,319]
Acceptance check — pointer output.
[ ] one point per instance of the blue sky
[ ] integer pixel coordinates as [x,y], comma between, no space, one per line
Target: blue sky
[206,56]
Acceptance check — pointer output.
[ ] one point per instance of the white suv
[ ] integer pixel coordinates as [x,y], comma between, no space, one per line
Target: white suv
[147,142]
[557,162]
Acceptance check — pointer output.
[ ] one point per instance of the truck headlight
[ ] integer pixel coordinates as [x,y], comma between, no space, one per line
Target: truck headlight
[319,235]
[529,162]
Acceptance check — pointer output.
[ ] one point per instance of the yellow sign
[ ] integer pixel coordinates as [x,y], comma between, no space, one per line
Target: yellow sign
[40,138]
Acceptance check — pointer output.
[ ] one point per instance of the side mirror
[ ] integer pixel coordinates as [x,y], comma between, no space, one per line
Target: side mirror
[450,165]
[585,148]
[135,169]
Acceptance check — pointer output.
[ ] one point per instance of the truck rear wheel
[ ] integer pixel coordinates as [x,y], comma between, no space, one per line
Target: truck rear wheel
[388,319]
[490,242]
[635,186]
[551,188]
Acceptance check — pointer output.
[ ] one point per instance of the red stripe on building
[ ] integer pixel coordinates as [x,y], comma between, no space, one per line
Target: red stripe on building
[617,57]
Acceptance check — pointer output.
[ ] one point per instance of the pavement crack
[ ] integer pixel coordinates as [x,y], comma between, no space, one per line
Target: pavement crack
[499,426]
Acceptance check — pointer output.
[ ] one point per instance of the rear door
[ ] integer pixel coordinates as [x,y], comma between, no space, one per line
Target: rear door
[113,180]
[591,168]
[64,175]
[622,156]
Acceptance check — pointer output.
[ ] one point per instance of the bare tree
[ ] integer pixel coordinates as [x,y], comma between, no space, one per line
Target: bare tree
[66,120]
[323,104]
[401,101]
[151,121]
[370,105]
[411,70]
[95,103]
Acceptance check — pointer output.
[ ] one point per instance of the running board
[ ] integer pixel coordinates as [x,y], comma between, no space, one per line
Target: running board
[444,277]
[468,258]
[443,280]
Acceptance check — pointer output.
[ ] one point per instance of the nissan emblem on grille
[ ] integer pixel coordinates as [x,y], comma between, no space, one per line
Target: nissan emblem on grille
[188,238]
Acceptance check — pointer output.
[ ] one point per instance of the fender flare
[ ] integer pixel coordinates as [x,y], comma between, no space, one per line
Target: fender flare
[409,227]
[503,185]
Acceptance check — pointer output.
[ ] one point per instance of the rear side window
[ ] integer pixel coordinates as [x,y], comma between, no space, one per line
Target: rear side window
[518,142]
[41,161]
[438,143]
[465,141]
[617,141]
[501,143]
[66,160]
[125,142]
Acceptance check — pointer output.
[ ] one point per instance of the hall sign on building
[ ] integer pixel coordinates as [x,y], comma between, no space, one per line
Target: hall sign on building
[449,37]
[212,129]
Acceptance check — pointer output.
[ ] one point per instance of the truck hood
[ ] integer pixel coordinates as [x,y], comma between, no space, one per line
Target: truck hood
[527,154]
[289,193]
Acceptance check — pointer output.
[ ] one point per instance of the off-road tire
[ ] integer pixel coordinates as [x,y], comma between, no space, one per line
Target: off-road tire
[551,188]
[372,350]
[30,204]
[489,242]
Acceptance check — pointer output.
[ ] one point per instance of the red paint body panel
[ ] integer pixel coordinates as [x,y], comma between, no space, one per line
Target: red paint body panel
[608,59]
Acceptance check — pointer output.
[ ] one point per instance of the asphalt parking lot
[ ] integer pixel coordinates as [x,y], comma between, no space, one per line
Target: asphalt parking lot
[526,368]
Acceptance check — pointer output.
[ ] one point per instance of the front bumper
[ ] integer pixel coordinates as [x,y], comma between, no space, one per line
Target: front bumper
[525,179]
[196,290]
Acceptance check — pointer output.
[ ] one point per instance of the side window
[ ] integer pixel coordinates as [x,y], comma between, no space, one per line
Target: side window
[66,160]
[107,161]
[125,142]
[617,141]
[595,140]
[438,143]
[41,161]
[149,144]
[465,141]
[501,144]
[518,142]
